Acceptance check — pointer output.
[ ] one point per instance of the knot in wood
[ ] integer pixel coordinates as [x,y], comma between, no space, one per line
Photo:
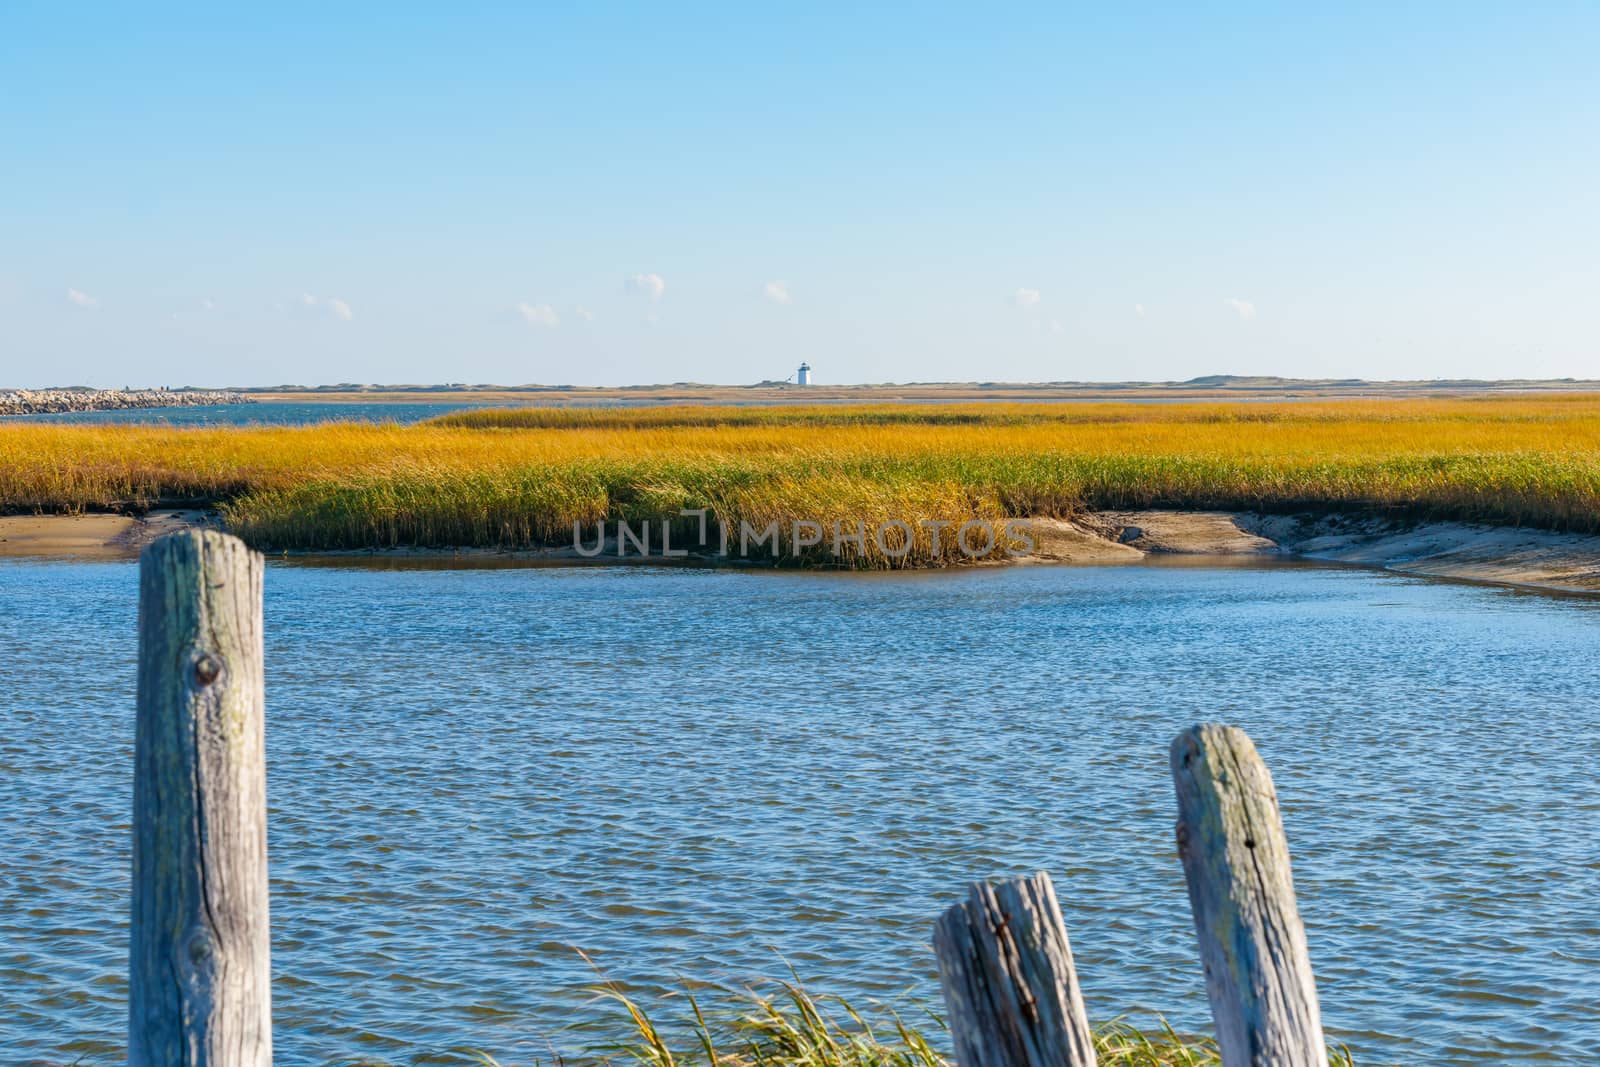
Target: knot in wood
[206,669]
[199,948]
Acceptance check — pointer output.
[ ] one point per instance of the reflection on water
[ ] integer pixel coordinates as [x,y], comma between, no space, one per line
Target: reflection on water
[688,772]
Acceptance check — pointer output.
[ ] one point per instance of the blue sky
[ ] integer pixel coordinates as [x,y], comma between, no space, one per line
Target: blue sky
[602,194]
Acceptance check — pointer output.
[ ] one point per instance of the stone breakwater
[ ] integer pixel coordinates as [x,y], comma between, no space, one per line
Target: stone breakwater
[53,401]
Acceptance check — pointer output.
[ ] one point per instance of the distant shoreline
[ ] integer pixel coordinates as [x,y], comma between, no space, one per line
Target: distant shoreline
[1220,387]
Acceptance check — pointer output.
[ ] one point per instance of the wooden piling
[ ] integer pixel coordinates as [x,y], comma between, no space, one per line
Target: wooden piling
[1010,990]
[1230,837]
[199,974]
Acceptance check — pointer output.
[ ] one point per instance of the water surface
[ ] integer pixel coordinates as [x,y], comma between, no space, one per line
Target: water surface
[712,775]
[298,413]
[265,413]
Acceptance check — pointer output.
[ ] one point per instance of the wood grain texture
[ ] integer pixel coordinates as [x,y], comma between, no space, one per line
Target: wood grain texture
[1010,989]
[1236,860]
[199,973]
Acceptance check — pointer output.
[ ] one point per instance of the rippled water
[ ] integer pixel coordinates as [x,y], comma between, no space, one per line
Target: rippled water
[265,413]
[689,772]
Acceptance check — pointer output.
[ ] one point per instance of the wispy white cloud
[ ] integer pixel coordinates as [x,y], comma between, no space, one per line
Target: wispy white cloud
[1056,327]
[777,292]
[1245,308]
[82,299]
[651,285]
[583,313]
[539,314]
[1138,309]
[331,304]
[205,307]
[1026,298]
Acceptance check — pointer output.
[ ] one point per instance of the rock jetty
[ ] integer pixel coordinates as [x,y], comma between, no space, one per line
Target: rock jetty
[51,401]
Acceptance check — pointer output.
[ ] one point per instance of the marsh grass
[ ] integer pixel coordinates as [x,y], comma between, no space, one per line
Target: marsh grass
[1505,409]
[521,478]
[788,1026]
[791,1027]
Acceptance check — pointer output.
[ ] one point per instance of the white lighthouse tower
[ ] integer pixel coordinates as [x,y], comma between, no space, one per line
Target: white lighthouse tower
[803,375]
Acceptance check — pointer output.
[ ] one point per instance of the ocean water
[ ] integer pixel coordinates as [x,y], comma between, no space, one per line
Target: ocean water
[704,775]
[267,413]
[292,413]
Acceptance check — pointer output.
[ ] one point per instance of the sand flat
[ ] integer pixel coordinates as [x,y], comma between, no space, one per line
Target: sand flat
[65,536]
[1202,533]
[1509,555]
[89,537]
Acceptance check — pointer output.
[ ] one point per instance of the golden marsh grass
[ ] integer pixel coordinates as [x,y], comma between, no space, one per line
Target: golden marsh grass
[521,477]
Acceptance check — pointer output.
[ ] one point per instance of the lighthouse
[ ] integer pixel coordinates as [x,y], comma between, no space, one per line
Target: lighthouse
[803,375]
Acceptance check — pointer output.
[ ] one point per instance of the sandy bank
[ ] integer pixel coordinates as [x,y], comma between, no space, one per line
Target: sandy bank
[1505,555]
[91,537]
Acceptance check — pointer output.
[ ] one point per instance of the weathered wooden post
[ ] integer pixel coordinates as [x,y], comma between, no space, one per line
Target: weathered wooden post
[1010,990]
[1230,837]
[199,977]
